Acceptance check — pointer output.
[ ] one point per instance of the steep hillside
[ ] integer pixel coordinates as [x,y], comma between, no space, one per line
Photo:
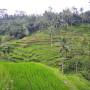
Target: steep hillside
[37,47]
[68,46]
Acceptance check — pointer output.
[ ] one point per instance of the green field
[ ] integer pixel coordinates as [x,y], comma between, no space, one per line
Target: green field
[32,64]
[36,76]
[45,51]
[37,47]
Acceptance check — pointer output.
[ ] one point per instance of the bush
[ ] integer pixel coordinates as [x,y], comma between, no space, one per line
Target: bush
[86,74]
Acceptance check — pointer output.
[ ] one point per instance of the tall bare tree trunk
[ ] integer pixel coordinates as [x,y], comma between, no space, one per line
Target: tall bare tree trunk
[76,64]
[62,67]
[51,36]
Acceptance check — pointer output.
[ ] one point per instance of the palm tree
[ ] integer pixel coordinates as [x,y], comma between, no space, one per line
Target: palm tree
[75,11]
[81,10]
[51,26]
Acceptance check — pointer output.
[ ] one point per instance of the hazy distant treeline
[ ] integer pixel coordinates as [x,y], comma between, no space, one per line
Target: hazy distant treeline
[20,24]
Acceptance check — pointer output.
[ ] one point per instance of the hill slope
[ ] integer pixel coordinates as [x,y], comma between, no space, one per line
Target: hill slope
[33,76]
[37,47]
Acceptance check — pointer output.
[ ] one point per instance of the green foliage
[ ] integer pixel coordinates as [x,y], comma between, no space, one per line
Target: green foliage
[20,25]
[74,43]
[29,76]
[59,40]
[36,76]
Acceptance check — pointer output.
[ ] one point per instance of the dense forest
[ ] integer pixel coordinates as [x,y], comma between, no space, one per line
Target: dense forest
[20,24]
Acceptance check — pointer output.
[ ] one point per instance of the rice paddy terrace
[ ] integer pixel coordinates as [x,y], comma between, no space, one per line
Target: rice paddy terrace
[23,70]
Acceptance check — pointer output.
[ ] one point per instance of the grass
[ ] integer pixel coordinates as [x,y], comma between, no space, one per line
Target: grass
[29,76]
[32,48]
[36,76]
